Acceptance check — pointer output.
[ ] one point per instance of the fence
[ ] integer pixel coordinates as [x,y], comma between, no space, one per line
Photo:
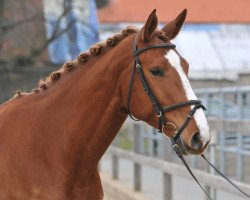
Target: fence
[228,111]
[232,138]
[232,106]
[168,169]
[227,102]
[229,119]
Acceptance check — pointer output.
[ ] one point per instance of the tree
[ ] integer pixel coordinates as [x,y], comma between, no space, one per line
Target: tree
[22,30]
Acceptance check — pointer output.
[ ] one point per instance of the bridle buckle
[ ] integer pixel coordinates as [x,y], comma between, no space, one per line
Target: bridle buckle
[138,66]
[175,146]
[159,114]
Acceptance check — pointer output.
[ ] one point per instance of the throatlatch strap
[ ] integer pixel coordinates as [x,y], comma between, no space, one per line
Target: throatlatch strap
[130,92]
[156,107]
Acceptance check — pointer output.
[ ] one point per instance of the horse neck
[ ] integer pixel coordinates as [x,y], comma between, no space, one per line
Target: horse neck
[89,112]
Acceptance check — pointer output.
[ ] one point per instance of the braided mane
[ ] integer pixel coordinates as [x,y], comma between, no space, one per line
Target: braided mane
[83,58]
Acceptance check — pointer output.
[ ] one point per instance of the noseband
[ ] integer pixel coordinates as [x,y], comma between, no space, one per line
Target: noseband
[158,109]
[162,110]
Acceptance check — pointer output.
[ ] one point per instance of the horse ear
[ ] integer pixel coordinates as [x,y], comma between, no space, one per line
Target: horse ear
[172,28]
[150,26]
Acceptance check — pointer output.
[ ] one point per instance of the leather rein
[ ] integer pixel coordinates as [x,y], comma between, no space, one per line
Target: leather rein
[161,110]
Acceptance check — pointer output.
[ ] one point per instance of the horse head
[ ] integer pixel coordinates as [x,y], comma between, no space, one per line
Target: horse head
[160,93]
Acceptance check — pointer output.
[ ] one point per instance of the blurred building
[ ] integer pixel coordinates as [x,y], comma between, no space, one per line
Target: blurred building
[215,39]
[75,24]
[27,32]
[22,30]
[29,28]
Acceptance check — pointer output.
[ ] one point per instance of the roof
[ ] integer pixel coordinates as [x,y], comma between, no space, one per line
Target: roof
[218,51]
[214,51]
[228,11]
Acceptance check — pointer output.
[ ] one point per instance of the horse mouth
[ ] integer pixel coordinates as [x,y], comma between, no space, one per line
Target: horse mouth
[186,150]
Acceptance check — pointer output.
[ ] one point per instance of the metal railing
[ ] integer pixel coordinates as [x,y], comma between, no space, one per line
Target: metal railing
[230,124]
[229,119]
[226,102]
[232,138]
[168,169]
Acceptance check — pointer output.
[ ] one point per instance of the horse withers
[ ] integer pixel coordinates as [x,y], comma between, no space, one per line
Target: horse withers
[52,138]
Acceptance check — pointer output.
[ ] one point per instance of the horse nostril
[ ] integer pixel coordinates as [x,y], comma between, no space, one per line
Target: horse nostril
[196,142]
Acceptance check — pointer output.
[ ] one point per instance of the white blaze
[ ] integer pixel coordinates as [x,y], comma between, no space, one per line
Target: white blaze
[199,116]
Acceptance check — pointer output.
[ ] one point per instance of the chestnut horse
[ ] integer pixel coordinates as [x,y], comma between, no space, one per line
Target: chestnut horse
[52,138]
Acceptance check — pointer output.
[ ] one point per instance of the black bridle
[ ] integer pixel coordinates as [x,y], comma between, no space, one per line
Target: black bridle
[161,110]
[158,109]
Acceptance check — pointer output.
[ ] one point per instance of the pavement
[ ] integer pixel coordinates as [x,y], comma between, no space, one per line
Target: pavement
[183,189]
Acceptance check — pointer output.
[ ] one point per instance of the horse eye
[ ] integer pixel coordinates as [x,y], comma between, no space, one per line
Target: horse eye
[157,72]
